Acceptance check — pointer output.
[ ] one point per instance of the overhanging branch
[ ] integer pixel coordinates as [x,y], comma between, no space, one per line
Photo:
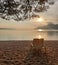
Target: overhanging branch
[23,9]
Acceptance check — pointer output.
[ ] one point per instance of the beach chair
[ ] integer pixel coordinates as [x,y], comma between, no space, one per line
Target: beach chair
[38,45]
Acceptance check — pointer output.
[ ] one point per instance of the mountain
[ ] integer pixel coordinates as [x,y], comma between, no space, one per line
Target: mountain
[49,26]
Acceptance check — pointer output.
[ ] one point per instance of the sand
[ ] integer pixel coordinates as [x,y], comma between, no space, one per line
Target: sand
[16,52]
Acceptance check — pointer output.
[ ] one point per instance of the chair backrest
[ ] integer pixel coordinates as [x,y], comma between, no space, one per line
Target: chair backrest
[38,43]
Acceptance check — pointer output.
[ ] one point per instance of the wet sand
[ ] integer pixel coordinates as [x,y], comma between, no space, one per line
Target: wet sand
[15,52]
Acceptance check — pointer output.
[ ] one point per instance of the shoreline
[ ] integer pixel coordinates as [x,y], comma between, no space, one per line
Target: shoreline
[28,40]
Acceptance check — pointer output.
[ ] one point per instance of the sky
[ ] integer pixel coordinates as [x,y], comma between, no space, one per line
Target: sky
[51,15]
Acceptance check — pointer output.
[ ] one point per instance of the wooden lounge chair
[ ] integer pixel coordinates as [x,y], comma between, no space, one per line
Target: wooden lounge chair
[38,45]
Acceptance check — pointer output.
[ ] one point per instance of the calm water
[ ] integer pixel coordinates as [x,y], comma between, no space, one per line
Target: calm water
[27,34]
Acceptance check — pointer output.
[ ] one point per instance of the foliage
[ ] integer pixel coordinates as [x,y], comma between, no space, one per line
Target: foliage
[21,9]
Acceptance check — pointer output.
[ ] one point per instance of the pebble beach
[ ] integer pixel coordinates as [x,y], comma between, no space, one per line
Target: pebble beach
[20,53]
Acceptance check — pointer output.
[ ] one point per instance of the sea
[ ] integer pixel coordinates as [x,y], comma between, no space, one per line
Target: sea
[10,34]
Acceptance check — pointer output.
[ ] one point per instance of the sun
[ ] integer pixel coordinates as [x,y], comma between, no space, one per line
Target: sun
[40,20]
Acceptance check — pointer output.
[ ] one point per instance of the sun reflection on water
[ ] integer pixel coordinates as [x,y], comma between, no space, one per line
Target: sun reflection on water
[39,36]
[40,30]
